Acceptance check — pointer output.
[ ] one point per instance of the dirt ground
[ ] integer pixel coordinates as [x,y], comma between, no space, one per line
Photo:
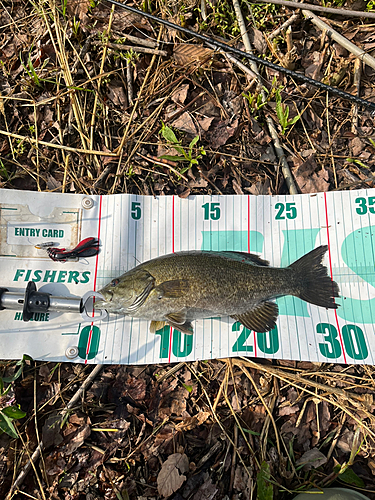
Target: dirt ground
[98,100]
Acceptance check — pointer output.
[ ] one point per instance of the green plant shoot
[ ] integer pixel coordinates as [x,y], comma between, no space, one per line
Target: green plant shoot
[183,156]
[283,114]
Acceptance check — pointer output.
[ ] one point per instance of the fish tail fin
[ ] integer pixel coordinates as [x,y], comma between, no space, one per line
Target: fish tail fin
[314,283]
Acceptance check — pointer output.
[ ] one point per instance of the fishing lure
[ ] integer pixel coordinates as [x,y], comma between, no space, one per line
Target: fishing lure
[88,247]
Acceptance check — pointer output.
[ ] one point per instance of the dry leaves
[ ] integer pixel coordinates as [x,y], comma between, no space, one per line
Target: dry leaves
[185,54]
[171,476]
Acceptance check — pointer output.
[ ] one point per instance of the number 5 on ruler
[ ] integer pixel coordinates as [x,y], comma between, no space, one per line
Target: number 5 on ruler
[136,211]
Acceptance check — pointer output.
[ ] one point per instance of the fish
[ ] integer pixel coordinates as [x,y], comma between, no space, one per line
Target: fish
[178,288]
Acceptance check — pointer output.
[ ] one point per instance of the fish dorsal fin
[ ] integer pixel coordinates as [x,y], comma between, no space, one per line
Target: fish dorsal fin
[260,319]
[248,258]
[172,289]
[186,328]
[156,325]
[178,318]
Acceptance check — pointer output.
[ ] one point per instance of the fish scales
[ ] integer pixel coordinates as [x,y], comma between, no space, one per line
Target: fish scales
[179,288]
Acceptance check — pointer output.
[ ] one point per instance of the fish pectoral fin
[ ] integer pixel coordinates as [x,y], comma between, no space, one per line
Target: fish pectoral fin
[156,325]
[260,319]
[172,289]
[178,318]
[186,328]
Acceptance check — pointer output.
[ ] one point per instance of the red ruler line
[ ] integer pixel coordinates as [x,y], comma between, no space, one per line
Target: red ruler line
[248,250]
[171,330]
[330,270]
[95,277]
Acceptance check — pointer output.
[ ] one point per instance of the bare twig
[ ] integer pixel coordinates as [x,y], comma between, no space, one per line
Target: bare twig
[357,86]
[129,82]
[58,146]
[318,8]
[146,42]
[361,54]
[283,27]
[121,46]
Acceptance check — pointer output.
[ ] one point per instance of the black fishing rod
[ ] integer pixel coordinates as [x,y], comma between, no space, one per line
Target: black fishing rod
[240,53]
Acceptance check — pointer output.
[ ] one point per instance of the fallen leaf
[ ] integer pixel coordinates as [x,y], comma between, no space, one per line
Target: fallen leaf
[187,53]
[77,439]
[171,476]
[261,187]
[205,122]
[198,183]
[345,443]
[53,184]
[185,124]
[179,97]
[309,180]
[258,40]
[190,423]
[136,388]
[222,132]
[357,146]
[185,193]
[288,410]
[312,459]
[78,8]
[116,94]
[54,463]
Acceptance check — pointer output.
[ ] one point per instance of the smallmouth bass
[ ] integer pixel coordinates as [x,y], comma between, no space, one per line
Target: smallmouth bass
[178,288]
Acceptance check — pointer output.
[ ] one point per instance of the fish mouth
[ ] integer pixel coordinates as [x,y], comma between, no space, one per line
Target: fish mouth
[104,302]
[100,304]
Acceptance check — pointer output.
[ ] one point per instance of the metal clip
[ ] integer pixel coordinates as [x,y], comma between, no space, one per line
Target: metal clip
[87,296]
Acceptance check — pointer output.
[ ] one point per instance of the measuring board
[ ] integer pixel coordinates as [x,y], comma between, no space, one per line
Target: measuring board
[133,229]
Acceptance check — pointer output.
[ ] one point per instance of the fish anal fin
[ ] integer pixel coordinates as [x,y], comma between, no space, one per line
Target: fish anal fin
[171,289]
[178,318]
[186,328]
[260,319]
[156,325]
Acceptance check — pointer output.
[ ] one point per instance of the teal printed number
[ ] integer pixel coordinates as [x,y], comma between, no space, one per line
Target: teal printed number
[268,342]
[289,209]
[177,349]
[331,348]
[365,205]
[239,346]
[352,336]
[354,341]
[211,211]
[136,212]
[164,342]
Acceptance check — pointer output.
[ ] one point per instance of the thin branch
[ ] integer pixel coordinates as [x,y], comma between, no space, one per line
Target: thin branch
[361,54]
[318,8]
[283,27]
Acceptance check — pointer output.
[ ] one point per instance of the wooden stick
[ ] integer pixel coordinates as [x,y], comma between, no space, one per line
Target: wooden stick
[318,8]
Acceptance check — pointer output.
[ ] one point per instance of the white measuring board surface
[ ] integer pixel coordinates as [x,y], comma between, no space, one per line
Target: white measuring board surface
[133,229]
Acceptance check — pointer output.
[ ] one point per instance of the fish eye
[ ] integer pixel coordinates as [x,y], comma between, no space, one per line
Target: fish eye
[115,282]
